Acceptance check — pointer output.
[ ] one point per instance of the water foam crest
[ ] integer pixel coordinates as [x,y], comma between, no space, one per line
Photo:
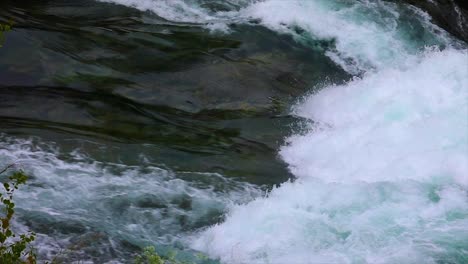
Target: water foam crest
[367,35]
[172,10]
[383,172]
[416,119]
[202,12]
[384,181]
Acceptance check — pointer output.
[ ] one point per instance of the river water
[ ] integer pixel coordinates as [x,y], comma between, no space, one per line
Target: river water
[271,131]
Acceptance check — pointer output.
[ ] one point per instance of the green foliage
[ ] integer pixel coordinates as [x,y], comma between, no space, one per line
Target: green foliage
[150,256]
[4,28]
[13,248]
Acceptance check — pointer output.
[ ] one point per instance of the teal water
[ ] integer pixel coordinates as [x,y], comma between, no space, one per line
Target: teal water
[248,131]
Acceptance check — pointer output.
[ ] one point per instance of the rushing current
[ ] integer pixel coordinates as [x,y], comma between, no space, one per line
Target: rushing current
[376,142]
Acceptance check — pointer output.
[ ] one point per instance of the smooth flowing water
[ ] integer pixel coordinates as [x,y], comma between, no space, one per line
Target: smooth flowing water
[270,131]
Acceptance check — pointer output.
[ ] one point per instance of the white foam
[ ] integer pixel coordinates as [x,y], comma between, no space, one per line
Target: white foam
[415,119]
[172,10]
[367,34]
[383,171]
[379,184]
[189,11]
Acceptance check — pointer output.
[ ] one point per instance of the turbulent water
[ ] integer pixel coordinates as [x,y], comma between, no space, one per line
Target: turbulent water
[166,123]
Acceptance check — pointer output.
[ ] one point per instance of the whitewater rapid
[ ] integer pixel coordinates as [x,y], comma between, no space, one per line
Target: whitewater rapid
[382,170]
[382,176]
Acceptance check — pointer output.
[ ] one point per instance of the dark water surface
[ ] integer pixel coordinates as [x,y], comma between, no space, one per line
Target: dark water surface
[107,73]
[125,88]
